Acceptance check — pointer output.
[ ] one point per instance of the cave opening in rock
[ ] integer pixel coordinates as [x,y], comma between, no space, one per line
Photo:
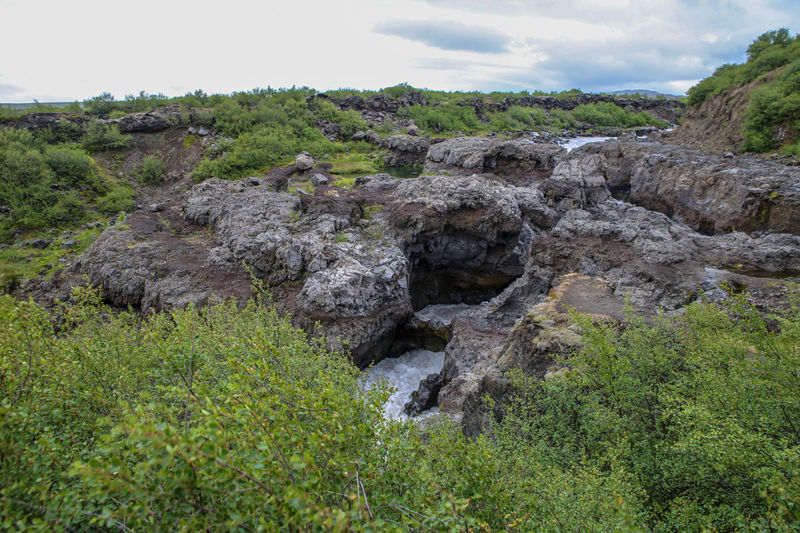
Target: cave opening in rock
[452,268]
[450,274]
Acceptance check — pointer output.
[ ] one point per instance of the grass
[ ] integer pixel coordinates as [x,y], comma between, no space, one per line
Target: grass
[345,182]
[353,163]
[19,263]
[189,140]
[370,210]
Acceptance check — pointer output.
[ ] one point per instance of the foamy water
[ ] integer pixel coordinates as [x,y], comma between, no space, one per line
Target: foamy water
[575,142]
[403,374]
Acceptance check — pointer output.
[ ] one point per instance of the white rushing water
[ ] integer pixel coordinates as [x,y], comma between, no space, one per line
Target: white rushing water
[404,374]
[575,142]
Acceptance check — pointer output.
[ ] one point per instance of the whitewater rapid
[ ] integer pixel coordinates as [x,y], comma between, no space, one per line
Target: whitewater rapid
[403,374]
[575,142]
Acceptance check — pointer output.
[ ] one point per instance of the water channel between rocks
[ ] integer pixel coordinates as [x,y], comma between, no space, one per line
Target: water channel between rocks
[575,142]
[403,373]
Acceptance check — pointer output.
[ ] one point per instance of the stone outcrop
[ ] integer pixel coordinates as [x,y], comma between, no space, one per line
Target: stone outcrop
[327,262]
[39,121]
[508,237]
[405,150]
[149,122]
[643,256]
[709,192]
[521,162]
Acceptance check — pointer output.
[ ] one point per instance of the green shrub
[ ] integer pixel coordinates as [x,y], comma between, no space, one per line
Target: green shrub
[771,50]
[444,118]
[119,198]
[349,121]
[99,136]
[39,183]
[701,412]
[774,105]
[151,170]
[609,114]
[72,167]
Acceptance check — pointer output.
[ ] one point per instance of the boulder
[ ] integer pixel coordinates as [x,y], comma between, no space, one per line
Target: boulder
[303,161]
[405,150]
[148,122]
[425,397]
[319,179]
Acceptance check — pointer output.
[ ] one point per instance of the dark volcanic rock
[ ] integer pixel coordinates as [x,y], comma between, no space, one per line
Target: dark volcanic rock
[518,161]
[405,150]
[668,110]
[425,397]
[329,265]
[638,254]
[149,122]
[709,192]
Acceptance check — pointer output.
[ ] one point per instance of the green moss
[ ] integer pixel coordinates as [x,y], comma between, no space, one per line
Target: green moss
[189,140]
[370,210]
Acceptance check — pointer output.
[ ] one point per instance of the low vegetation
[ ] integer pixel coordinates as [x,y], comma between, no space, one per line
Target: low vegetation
[229,418]
[46,186]
[151,170]
[772,119]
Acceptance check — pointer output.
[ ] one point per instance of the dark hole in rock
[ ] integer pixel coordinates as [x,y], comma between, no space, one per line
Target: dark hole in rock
[621,192]
[461,269]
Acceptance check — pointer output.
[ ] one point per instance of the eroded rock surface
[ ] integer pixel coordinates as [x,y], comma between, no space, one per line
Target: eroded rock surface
[329,262]
[521,162]
[509,238]
[405,150]
[709,192]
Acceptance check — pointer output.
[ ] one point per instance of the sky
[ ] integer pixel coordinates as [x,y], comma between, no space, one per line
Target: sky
[66,50]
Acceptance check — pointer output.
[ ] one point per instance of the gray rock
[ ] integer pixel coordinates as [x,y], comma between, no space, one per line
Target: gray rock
[405,150]
[303,161]
[149,122]
[520,162]
[709,192]
[39,243]
[319,179]
[426,396]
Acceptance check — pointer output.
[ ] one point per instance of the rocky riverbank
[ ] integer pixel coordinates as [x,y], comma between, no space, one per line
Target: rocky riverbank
[514,232]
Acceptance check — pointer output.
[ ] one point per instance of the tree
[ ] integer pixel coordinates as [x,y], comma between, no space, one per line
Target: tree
[780,37]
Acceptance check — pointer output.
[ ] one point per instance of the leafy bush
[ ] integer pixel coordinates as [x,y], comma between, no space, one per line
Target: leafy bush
[151,170]
[349,121]
[119,198]
[447,118]
[71,166]
[771,50]
[609,114]
[99,136]
[230,418]
[43,186]
[702,412]
[257,150]
[774,106]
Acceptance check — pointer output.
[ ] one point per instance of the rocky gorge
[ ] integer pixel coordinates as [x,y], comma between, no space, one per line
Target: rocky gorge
[481,257]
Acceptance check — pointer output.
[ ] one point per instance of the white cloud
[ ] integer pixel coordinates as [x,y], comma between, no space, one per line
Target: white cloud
[81,48]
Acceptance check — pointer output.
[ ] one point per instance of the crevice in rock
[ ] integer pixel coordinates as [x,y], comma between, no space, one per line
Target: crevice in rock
[461,269]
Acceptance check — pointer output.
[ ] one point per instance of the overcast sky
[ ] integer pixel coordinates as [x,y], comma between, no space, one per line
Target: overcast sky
[66,50]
